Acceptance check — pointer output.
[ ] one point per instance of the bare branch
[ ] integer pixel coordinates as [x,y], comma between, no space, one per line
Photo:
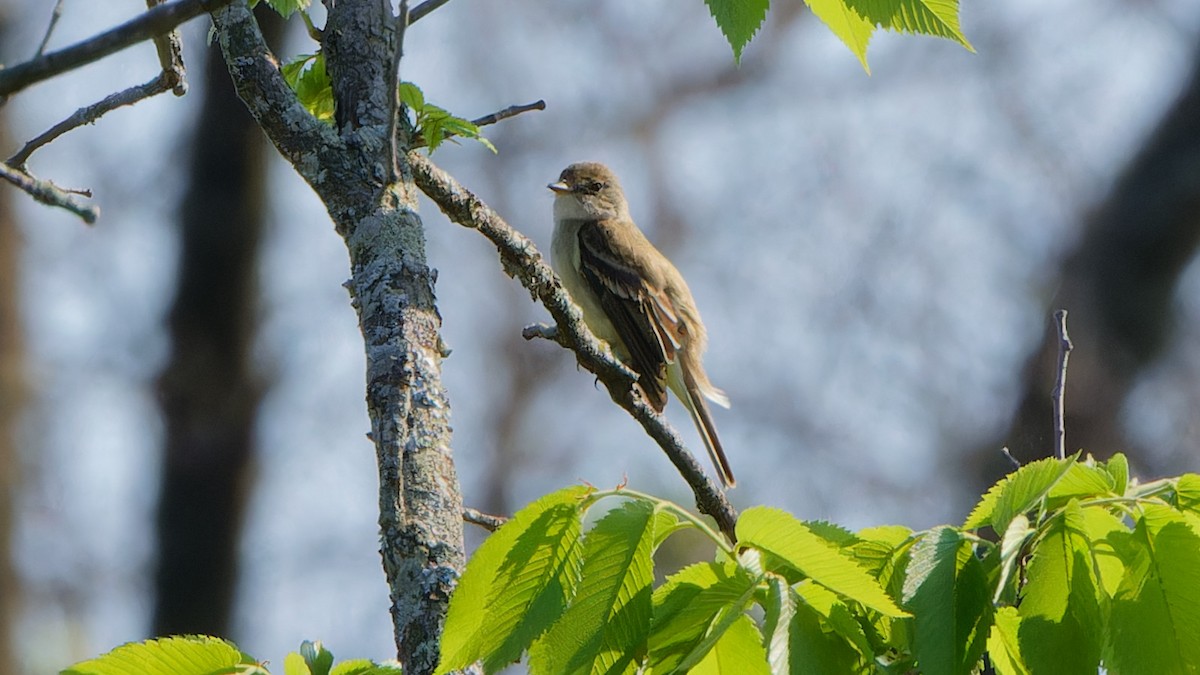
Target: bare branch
[49,193]
[485,520]
[55,15]
[153,22]
[170,56]
[511,111]
[91,113]
[425,8]
[1060,384]
[522,261]
[394,85]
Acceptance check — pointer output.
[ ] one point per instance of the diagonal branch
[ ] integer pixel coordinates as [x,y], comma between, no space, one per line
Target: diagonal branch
[48,193]
[522,261]
[162,19]
[89,115]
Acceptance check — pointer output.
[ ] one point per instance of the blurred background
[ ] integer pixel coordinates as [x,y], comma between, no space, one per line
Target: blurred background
[877,258]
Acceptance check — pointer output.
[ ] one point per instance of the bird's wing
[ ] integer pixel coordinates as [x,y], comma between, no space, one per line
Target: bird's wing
[641,315]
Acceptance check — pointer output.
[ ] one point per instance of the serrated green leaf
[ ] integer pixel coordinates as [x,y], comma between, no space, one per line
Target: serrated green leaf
[947,593]
[1018,492]
[1014,539]
[308,79]
[786,538]
[738,652]
[1003,646]
[1099,526]
[779,606]
[815,649]
[692,609]
[738,20]
[1155,618]
[849,26]
[938,18]
[412,96]
[666,523]
[1061,623]
[874,547]
[1187,492]
[605,627]
[286,8]
[1117,467]
[836,616]
[294,664]
[1081,481]
[182,655]
[526,570]
[366,667]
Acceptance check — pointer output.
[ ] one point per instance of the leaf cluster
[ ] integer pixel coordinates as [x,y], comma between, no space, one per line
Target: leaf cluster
[852,21]
[203,655]
[1090,569]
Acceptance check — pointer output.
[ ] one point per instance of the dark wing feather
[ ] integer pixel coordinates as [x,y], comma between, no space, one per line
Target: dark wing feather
[633,311]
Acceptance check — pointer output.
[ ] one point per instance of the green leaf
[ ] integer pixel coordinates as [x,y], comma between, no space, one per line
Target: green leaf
[1117,466]
[813,648]
[1061,623]
[287,7]
[184,655]
[1003,646]
[1187,492]
[1081,481]
[738,652]
[366,667]
[318,659]
[738,20]
[1155,617]
[947,593]
[1018,492]
[605,627]
[1100,526]
[294,664]
[836,616]
[517,583]
[779,606]
[849,26]
[783,536]
[874,547]
[928,17]
[307,77]
[1011,544]
[693,609]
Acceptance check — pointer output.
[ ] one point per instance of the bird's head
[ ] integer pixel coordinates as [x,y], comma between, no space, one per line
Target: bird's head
[588,190]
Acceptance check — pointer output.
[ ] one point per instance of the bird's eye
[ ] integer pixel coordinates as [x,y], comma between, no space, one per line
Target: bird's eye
[595,186]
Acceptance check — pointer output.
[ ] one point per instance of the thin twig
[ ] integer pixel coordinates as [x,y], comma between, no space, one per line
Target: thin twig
[402,19]
[420,11]
[150,23]
[54,17]
[1015,462]
[1060,384]
[522,261]
[170,56]
[485,520]
[91,113]
[511,111]
[49,193]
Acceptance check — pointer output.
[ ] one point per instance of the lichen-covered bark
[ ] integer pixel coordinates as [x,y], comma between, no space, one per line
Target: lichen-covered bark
[370,196]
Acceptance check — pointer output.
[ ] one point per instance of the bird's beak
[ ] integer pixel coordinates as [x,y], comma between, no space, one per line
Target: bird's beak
[559,187]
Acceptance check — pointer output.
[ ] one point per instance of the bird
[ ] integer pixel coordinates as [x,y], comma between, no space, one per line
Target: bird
[633,298]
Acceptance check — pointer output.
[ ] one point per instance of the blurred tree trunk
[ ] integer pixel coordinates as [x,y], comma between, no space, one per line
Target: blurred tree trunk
[12,398]
[12,391]
[209,390]
[1118,286]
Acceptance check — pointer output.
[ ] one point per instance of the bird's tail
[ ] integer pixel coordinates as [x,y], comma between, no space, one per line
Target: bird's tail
[702,417]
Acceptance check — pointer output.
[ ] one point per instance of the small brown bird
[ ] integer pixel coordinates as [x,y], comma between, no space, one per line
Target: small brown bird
[632,297]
